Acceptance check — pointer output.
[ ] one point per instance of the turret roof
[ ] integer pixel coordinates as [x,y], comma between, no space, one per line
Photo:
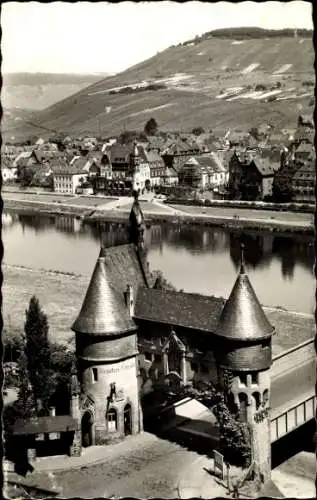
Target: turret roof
[242,317]
[103,311]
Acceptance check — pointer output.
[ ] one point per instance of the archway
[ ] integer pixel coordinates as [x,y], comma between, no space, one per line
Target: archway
[86,429]
[127,418]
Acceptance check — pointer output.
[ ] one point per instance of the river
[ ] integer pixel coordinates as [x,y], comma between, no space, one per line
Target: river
[195,259]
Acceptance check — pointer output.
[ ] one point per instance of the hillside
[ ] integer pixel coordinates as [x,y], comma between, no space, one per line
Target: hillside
[39,90]
[213,81]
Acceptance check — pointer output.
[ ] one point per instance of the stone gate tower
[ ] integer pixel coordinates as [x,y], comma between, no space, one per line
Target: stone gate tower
[244,355]
[106,350]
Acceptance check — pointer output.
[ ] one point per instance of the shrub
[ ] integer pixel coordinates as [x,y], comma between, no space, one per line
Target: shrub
[234,441]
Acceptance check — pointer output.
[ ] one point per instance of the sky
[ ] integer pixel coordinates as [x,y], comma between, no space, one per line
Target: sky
[102,37]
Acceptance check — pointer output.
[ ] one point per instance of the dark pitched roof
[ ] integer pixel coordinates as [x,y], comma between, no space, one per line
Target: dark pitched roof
[123,267]
[265,166]
[103,311]
[119,151]
[58,164]
[242,317]
[188,310]
[40,425]
[304,134]
[64,168]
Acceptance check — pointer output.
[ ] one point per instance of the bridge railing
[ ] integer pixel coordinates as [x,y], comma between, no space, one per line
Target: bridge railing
[293,417]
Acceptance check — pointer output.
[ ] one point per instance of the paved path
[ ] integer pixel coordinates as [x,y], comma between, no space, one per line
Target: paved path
[142,466]
[154,205]
[295,478]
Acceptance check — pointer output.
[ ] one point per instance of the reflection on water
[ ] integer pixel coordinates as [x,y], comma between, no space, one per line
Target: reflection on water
[196,259]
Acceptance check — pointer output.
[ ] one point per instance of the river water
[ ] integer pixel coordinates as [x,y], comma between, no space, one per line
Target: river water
[195,259]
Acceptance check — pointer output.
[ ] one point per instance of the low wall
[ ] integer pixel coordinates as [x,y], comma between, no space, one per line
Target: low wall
[254,205]
[293,357]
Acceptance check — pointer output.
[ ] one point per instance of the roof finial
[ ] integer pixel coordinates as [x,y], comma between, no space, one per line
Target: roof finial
[242,268]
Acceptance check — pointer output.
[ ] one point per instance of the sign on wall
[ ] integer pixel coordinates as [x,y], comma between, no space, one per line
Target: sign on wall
[218,463]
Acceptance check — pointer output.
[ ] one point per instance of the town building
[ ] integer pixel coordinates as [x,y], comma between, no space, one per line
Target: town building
[67,178]
[251,177]
[203,171]
[139,174]
[177,152]
[8,171]
[156,165]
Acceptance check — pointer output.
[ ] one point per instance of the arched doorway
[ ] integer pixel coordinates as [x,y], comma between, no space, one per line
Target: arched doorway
[86,429]
[127,418]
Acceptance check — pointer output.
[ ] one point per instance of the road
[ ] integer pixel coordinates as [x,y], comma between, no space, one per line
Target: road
[292,386]
[142,467]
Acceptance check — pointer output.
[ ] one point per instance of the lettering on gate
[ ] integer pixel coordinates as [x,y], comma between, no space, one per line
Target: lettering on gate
[119,369]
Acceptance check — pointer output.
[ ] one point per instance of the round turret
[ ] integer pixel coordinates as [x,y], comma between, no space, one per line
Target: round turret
[244,331]
[106,350]
[104,330]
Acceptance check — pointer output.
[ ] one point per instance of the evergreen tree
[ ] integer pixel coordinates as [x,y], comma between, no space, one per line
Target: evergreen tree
[151,127]
[38,353]
[26,406]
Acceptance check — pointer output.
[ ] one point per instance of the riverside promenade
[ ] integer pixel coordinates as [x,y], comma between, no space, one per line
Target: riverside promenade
[98,208]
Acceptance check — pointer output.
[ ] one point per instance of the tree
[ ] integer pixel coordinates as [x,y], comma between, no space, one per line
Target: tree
[151,127]
[198,131]
[26,404]
[25,175]
[254,132]
[38,353]
[234,441]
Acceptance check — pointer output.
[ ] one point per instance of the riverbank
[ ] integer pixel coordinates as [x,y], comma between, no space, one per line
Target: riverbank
[99,209]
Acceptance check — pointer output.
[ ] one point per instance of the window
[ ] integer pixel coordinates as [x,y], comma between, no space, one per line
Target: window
[94,374]
[254,378]
[256,397]
[112,420]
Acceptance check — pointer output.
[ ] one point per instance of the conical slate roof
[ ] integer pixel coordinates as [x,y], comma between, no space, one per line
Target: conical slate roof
[103,311]
[242,317]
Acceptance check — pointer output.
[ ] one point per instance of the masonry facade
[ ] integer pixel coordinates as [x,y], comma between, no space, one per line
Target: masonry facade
[134,338]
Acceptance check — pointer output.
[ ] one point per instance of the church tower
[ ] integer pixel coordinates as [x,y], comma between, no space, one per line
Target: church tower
[106,350]
[136,235]
[244,356]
